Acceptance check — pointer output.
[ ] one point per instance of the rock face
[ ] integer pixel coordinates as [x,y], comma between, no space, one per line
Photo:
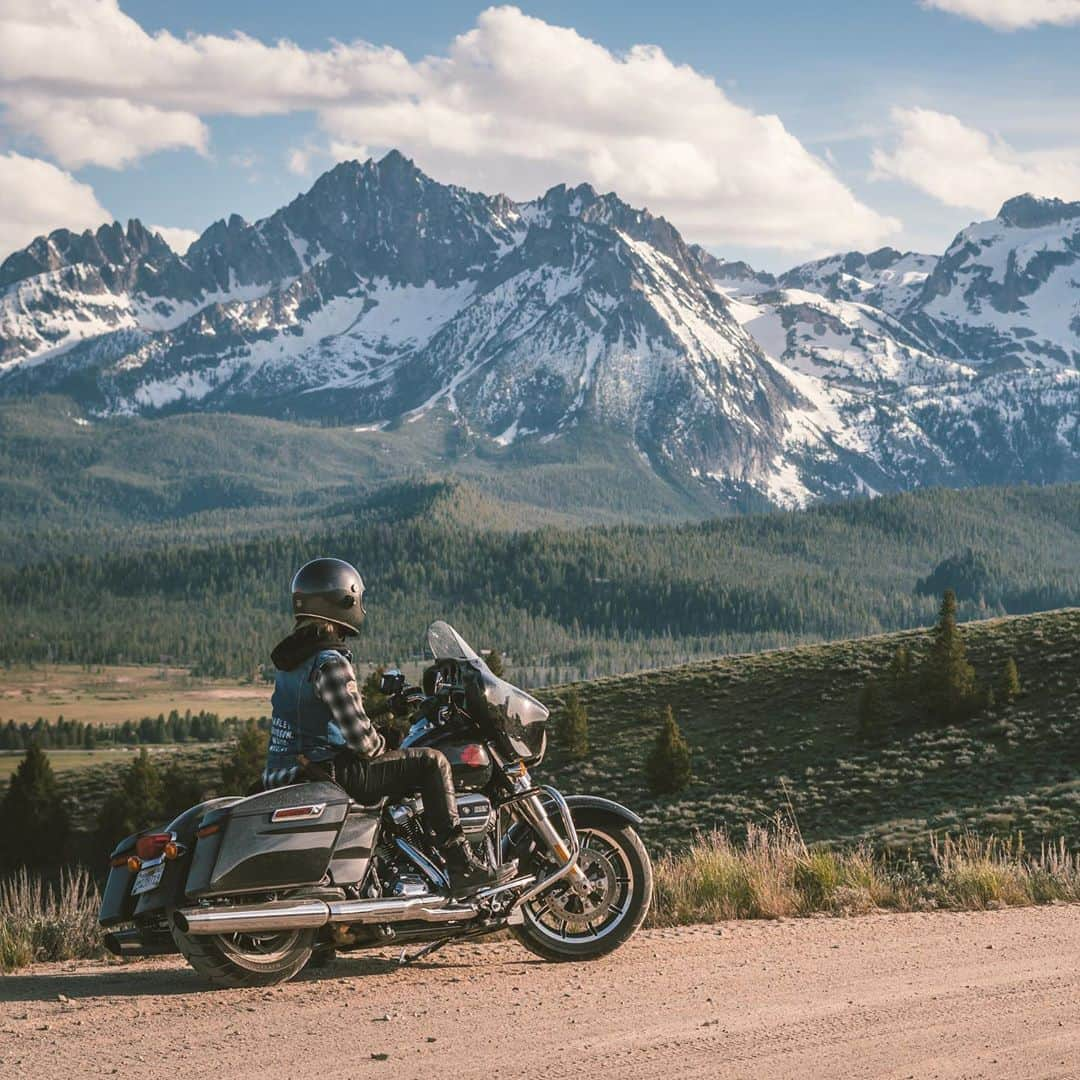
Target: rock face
[381,294]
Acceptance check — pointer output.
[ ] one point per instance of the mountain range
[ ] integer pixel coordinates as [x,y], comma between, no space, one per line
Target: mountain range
[381,297]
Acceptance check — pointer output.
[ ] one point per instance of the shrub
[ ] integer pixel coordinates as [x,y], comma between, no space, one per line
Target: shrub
[44,922]
[668,766]
[573,727]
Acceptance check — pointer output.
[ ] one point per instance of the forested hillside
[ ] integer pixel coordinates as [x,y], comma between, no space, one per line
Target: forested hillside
[561,603]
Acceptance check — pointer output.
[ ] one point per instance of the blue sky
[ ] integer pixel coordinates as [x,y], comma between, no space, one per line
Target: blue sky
[896,122]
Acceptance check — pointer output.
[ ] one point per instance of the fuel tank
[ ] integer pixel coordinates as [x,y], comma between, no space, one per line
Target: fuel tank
[469,759]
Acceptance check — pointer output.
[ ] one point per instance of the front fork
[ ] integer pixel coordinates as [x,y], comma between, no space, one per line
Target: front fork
[529,804]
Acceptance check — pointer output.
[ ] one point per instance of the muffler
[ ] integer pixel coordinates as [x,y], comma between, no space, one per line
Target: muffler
[278,915]
[270,917]
[130,944]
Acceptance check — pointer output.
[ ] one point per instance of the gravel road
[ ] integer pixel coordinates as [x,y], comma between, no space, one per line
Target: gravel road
[987,994]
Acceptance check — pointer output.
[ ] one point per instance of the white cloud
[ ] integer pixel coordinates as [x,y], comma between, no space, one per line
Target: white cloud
[962,166]
[1012,14]
[39,197]
[515,104]
[299,161]
[178,239]
[102,131]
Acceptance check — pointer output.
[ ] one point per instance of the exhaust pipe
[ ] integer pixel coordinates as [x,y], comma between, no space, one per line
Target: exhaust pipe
[270,917]
[278,915]
[130,943]
[422,908]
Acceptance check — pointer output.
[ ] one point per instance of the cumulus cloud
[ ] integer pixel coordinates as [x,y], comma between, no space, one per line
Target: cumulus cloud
[514,104]
[102,131]
[39,197]
[1012,14]
[178,239]
[962,166]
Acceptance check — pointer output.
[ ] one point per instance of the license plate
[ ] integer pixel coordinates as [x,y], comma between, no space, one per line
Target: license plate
[148,879]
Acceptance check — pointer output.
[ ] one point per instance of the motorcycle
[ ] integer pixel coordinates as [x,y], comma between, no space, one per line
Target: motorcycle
[252,890]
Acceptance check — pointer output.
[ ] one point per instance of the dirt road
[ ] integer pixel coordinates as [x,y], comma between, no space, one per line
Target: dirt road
[993,994]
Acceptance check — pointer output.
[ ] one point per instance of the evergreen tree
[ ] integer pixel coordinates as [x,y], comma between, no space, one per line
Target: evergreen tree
[180,790]
[871,710]
[373,697]
[35,821]
[899,675]
[495,663]
[135,805]
[668,764]
[948,678]
[1009,683]
[246,762]
[573,727]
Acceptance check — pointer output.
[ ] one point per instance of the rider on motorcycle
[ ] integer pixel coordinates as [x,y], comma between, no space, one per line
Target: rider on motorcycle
[321,731]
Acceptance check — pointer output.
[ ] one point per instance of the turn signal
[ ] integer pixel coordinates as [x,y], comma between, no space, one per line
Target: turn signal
[172,849]
[134,864]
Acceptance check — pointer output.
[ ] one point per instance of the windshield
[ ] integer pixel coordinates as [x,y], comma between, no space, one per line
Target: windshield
[446,643]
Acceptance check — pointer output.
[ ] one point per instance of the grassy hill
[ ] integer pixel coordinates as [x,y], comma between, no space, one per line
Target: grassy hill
[779,727]
[774,729]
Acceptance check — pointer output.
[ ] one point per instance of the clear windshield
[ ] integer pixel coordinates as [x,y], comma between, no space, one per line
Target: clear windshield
[446,643]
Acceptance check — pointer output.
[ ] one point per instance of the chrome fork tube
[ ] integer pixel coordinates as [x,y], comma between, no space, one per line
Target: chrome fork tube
[532,809]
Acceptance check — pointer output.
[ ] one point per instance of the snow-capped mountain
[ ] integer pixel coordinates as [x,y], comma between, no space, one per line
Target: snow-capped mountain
[380,295]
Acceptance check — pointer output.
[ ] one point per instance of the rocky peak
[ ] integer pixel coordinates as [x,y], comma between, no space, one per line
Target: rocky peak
[1029,211]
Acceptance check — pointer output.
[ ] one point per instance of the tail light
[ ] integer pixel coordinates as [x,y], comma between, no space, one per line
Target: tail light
[151,845]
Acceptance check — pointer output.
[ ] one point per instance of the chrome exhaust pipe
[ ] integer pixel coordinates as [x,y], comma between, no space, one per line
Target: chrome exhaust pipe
[270,917]
[277,915]
[383,910]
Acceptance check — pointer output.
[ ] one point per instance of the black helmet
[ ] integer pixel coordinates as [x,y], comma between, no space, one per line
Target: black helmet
[330,589]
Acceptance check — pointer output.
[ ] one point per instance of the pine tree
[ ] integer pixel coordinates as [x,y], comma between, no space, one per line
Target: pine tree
[495,663]
[373,697]
[180,790]
[135,805]
[899,673]
[1009,683]
[573,727]
[668,765]
[36,823]
[871,710]
[246,762]
[948,678]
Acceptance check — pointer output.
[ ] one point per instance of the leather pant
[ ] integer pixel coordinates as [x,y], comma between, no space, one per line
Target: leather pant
[399,773]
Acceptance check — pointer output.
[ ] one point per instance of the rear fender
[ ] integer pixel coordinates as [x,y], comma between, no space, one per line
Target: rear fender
[170,891]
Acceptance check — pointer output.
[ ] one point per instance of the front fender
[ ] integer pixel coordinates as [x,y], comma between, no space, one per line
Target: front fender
[602,806]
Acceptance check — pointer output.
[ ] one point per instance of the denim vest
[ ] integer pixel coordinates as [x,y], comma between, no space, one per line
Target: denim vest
[302,724]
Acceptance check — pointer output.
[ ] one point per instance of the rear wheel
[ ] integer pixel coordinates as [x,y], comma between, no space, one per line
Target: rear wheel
[562,925]
[246,960]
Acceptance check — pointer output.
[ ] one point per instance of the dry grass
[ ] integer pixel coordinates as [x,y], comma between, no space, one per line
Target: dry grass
[111,695]
[44,922]
[774,874]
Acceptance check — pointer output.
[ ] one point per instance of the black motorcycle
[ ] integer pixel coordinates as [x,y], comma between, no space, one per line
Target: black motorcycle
[251,890]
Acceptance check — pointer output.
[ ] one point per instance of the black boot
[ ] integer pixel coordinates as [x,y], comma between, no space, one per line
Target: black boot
[468,874]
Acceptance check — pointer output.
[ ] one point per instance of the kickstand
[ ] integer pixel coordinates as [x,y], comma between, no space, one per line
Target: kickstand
[434,946]
[405,959]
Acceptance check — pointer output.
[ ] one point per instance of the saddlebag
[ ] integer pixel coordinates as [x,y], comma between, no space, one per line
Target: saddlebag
[277,839]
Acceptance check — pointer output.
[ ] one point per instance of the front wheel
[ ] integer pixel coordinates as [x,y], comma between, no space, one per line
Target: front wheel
[561,925]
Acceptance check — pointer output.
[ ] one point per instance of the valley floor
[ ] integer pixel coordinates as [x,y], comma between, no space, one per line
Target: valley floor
[947,995]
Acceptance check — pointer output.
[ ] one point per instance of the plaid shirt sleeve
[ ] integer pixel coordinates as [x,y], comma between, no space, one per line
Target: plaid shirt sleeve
[335,686]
